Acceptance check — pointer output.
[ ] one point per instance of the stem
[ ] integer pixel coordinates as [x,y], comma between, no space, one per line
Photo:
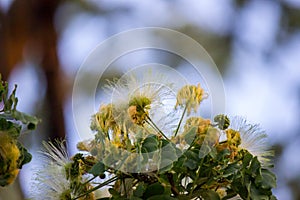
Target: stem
[124,186]
[97,187]
[89,180]
[154,125]
[184,111]
[198,174]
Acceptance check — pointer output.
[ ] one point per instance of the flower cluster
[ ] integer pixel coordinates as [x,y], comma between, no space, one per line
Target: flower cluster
[135,157]
[144,150]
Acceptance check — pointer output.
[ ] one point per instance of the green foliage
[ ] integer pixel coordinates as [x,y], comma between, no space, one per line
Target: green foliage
[194,175]
[97,169]
[10,112]
[252,181]
[195,164]
[11,124]
[223,121]
[199,171]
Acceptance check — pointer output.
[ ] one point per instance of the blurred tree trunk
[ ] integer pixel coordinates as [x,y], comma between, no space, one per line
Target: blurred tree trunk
[44,29]
[27,27]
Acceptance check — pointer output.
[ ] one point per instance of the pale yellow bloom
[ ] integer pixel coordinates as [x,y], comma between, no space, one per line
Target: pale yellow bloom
[9,156]
[104,119]
[221,192]
[204,132]
[201,124]
[190,97]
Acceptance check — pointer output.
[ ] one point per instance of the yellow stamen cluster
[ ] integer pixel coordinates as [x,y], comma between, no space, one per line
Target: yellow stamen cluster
[232,143]
[138,109]
[104,119]
[222,192]
[204,131]
[9,156]
[199,122]
[190,97]
[120,136]
[233,137]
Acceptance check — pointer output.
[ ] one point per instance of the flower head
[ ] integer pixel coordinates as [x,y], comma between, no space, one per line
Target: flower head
[190,97]
[9,157]
[51,179]
[54,179]
[103,120]
[139,90]
[201,124]
[253,139]
[204,131]
[138,97]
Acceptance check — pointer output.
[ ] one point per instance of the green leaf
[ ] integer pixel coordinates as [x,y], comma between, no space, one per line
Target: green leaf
[161,197]
[25,156]
[113,192]
[12,129]
[273,198]
[223,121]
[190,135]
[29,120]
[268,179]
[247,158]
[223,155]
[150,144]
[168,155]
[11,102]
[191,160]
[255,193]
[213,153]
[97,169]
[204,150]
[231,170]
[139,191]
[211,195]
[153,189]
[255,167]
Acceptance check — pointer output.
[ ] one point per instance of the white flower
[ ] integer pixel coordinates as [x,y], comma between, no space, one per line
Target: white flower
[253,139]
[51,178]
[154,87]
[137,96]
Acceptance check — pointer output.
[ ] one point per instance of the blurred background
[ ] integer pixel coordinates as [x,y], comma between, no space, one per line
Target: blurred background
[255,44]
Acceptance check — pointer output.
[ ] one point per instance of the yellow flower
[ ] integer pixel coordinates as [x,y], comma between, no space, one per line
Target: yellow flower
[222,192]
[190,97]
[233,137]
[104,119]
[137,116]
[201,124]
[9,156]
[232,143]
[204,131]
